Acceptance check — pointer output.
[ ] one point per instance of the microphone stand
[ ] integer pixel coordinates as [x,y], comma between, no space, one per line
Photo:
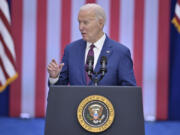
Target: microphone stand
[95,79]
[102,71]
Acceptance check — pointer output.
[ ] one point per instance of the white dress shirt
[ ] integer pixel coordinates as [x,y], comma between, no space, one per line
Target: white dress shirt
[97,50]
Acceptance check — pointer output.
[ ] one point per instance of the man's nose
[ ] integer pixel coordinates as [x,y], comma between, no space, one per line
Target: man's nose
[81,26]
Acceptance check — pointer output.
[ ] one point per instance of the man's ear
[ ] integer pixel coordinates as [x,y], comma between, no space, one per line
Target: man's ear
[101,23]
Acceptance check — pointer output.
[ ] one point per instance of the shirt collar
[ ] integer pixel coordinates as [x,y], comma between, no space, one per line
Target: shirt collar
[98,44]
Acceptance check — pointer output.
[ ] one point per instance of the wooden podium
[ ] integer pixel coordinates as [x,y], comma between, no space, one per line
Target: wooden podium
[63,102]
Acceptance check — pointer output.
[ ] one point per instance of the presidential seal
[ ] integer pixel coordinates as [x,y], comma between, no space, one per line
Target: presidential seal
[95,113]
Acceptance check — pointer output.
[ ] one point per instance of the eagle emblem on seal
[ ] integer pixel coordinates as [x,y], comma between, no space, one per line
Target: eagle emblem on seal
[96,113]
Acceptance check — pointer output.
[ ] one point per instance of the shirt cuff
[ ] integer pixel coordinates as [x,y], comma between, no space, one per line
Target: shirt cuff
[53,80]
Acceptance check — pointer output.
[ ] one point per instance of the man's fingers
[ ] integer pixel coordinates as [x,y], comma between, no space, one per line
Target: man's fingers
[54,69]
[55,65]
[54,61]
[61,65]
[50,67]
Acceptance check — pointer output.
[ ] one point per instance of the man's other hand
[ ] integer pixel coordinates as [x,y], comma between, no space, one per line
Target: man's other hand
[54,69]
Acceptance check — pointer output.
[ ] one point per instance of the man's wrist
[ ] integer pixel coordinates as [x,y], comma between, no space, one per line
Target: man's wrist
[53,80]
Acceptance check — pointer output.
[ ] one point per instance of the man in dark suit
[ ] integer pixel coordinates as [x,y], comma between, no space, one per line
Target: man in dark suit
[72,69]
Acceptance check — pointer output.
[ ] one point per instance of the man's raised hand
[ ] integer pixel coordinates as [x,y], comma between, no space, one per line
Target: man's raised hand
[54,69]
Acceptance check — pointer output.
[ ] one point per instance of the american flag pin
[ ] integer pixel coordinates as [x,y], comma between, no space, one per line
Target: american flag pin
[108,51]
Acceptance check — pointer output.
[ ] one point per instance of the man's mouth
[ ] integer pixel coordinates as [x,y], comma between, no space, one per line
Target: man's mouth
[83,34]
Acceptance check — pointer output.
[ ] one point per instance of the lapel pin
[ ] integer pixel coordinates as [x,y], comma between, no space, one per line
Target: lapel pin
[108,51]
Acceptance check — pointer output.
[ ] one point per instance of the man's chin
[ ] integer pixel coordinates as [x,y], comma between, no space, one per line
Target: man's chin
[84,38]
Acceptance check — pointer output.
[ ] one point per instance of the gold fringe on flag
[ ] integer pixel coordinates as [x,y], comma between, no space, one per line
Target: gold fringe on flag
[176,24]
[2,88]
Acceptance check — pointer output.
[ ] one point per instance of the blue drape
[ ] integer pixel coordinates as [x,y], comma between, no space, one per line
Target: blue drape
[174,93]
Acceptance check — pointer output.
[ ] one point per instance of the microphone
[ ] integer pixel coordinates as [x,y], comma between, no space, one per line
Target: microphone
[103,61]
[89,64]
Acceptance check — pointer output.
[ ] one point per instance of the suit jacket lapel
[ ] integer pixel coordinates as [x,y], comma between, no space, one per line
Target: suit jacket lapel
[106,51]
[81,60]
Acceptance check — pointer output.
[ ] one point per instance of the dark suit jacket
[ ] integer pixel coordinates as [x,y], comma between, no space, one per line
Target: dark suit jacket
[119,64]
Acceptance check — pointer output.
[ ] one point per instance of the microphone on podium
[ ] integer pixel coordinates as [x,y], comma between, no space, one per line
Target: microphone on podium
[103,69]
[89,65]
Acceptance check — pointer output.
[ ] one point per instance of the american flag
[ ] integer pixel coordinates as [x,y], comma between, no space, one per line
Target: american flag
[7,52]
[42,28]
[176,18]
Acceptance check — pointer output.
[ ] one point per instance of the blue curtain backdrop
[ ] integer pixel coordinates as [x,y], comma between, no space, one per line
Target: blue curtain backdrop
[4,102]
[174,93]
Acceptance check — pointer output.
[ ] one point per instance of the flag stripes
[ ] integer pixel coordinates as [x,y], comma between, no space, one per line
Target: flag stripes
[138,40]
[150,58]
[66,24]
[46,27]
[162,60]
[7,51]
[53,39]
[40,73]
[16,90]
[90,1]
[29,56]
[114,17]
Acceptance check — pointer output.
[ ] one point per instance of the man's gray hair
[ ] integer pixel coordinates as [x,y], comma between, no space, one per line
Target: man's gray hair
[100,14]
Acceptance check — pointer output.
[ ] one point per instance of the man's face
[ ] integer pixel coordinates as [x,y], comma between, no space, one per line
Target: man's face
[89,26]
